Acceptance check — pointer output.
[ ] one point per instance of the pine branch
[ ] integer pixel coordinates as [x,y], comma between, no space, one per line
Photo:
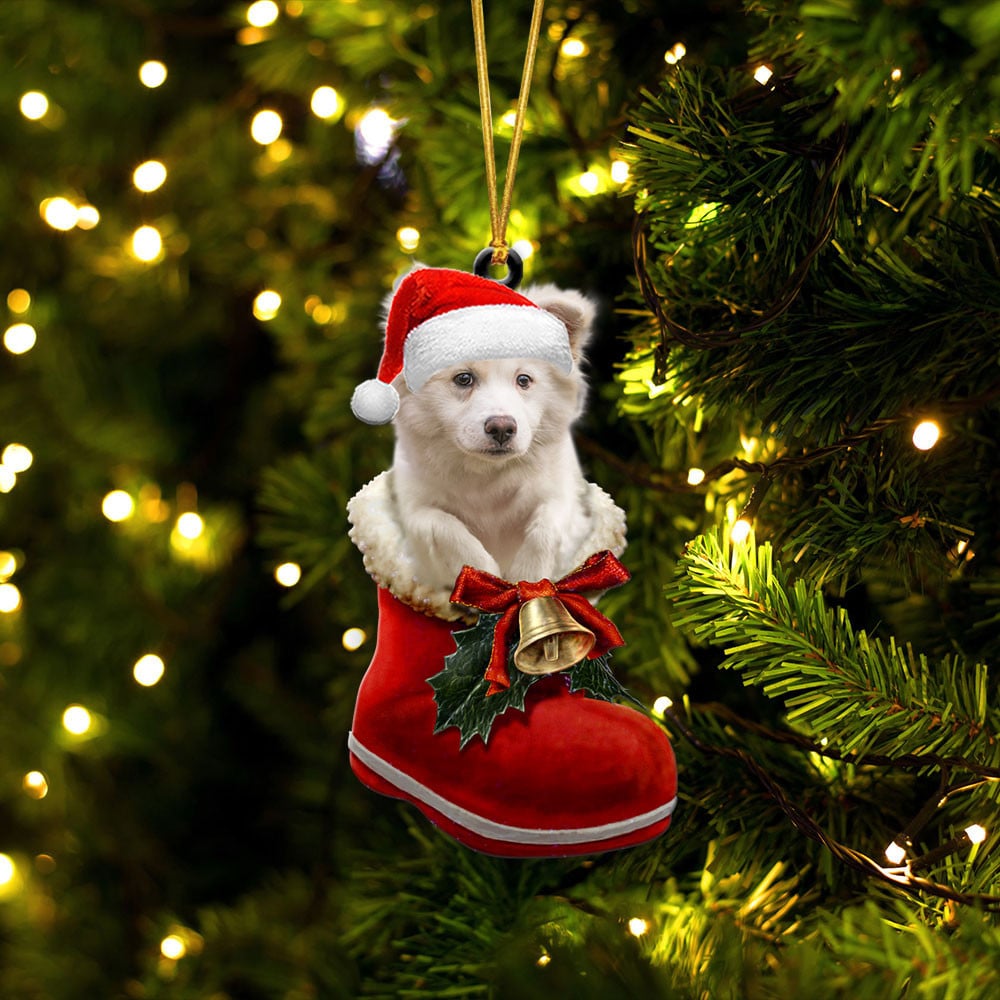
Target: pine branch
[859,693]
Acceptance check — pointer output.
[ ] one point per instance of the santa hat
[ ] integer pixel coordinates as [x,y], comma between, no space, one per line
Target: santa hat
[439,318]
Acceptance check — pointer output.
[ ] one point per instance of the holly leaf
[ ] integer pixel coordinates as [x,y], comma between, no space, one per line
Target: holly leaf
[595,677]
[460,688]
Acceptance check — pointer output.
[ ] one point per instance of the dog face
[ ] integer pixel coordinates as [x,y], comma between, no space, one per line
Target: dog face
[494,410]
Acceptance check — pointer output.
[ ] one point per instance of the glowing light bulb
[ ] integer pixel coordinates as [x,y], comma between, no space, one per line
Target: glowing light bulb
[740,530]
[695,476]
[147,244]
[87,217]
[543,960]
[896,75]
[266,304]
[288,574]
[10,598]
[894,853]
[19,338]
[18,300]
[8,565]
[675,54]
[637,927]
[374,134]
[8,479]
[173,947]
[589,181]
[975,833]
[409,238]
[662,705]
[619,171]
[152,73]
[508,118]
[190,525]
[266,126]
[150,175]
[353,638]
[762,74]
[326,103]
[262,13]
[926,435]
[7,869]
[59,213]
[34,105]
[148,670]
[573,48]
[523,248]
[77,720]
[16,457]
[35,784]
[118,506]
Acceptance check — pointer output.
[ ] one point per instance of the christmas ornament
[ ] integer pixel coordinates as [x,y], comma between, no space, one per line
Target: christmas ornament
[489,702]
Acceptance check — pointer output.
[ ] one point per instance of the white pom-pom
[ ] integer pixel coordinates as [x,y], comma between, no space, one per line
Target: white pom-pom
[375,402]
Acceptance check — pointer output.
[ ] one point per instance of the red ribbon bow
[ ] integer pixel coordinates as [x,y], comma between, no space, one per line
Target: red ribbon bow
[489,593]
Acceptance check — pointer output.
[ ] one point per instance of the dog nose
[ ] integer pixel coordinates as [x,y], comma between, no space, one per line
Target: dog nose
[501,429]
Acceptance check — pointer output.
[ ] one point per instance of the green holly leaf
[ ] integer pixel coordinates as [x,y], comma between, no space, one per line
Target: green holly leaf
[595,677]
[460,688]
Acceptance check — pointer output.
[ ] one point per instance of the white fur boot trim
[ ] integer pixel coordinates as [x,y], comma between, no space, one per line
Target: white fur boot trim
[378,533]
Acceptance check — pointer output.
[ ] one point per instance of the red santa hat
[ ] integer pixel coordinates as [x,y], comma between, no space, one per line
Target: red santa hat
[439,318]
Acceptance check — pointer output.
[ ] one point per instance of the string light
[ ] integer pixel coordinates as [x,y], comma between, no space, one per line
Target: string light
[409,238]
[762,74]
[695,476]
[118,506]
[523,248]
[674,55]
[353,638]
[16,457]
[19,338]
[288,574]
[149,176]
[7,869]
[10,598]
[152,73]
[573,48]
[637,927]
[740,530]
[926,435]
[266,304]
[87,217]
[77,720]
[173,947]
[147,244]
[374,134]
[8,479]
[35,784]
[8,565]
[543,960]
[266,126]
[34,105]
[148,670]
[972,835]
[262,13]
[18,300]
[326,103]
[662,705]
[589,181]
[190,525]
[619,171]
[60,213]
[896,75]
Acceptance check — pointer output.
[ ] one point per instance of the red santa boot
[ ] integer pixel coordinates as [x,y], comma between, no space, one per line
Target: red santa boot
[569,775]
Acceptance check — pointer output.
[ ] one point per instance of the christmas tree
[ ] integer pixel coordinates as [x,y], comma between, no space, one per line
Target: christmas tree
[789,212]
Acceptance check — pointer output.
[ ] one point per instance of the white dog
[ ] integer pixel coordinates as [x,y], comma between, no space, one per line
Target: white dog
[486,473]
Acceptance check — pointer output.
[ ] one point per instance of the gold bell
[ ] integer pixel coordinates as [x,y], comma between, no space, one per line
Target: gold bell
[551,638]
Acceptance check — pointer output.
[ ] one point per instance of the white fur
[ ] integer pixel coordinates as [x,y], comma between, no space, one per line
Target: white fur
[515,508]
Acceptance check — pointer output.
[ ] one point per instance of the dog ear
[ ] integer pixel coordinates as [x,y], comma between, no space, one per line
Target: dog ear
[575,310]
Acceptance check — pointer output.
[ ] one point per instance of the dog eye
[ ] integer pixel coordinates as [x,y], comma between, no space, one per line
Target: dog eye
[524,381]
[464,379]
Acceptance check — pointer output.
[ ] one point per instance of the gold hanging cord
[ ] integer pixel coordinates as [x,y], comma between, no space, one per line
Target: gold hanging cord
[500,213]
